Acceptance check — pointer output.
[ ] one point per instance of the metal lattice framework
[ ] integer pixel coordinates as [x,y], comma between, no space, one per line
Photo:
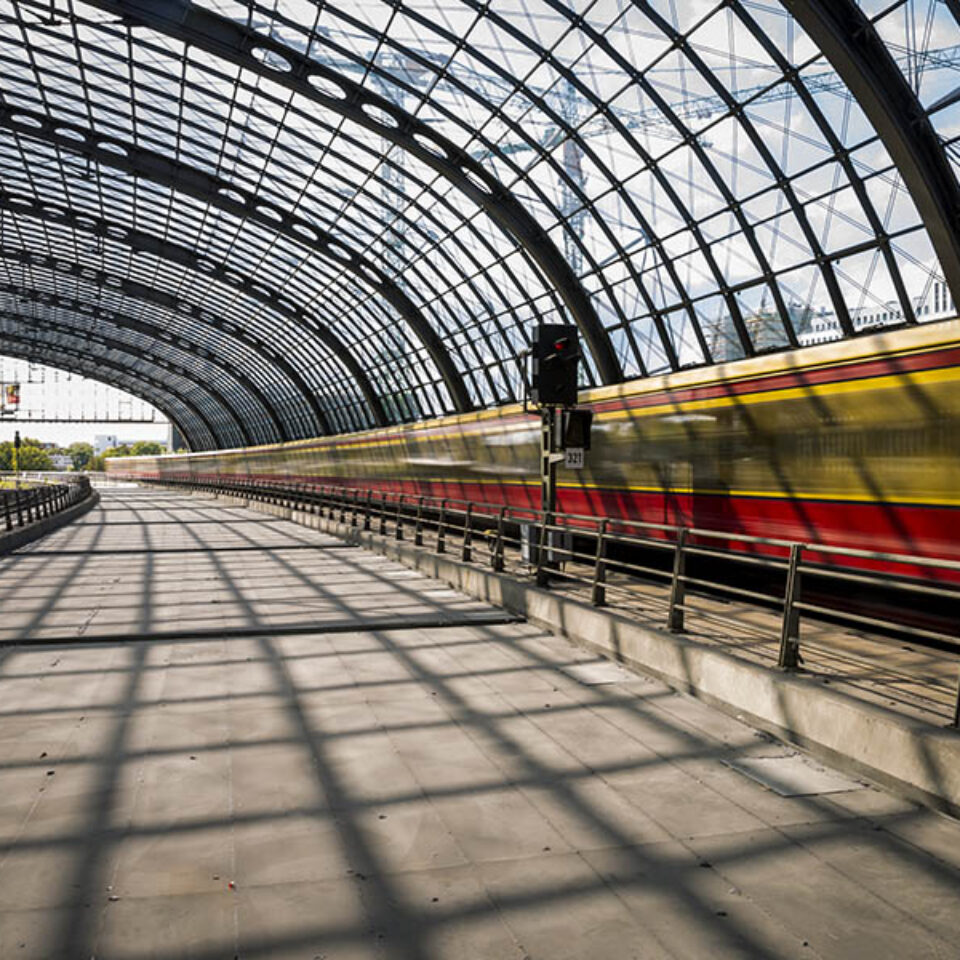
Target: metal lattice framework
[280,219]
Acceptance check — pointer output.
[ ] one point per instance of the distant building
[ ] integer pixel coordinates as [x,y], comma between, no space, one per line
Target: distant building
[820,324]
[60,461]
[937,304]
[103,442]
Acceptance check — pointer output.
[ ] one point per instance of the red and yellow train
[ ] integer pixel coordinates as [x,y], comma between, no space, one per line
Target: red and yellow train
[853,444]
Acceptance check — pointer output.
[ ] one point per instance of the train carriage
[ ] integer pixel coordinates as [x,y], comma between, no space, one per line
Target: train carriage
[850,444]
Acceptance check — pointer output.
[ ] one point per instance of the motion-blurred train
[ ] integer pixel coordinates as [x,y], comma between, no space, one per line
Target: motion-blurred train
[853,444]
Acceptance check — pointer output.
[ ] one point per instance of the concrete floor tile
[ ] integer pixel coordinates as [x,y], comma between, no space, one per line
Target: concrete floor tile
[173,862]
[932,834]
[201,926]
[288,849]
[25,934]
[680,804]
[500,824]
[558,908]
[178,787]
[837,914]
[689,908]
[304,921]
[410,836]
[34,876]
[589,814]
[428,758]
[898,874]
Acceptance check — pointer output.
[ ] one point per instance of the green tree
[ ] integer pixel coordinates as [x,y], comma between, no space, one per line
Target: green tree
[97,462]
[147,448]
[121,451]
[32,456]
[80,454]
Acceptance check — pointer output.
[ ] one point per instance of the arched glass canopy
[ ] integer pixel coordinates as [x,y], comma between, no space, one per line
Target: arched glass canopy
[290,218]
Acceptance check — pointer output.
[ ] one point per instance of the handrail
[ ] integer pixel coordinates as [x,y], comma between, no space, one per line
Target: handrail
[547,545]
[21,507]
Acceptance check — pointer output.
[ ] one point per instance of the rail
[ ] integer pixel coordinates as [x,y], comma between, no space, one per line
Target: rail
[603,556]
[22,506]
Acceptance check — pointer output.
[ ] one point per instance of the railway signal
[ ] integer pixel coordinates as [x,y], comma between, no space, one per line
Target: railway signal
[564,432]
[556,364]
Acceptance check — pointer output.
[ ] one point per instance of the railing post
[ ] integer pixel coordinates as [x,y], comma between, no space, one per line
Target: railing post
[956,706]
[398,527]
[367,509]
[496,558]
[19,503]
[543,574]
[7,513]
[442,528]
[466,553]
[678,586]
[418,528]
[598,596]
[382,526]
[790,657]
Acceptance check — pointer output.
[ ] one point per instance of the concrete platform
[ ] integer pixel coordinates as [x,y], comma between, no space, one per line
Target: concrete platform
[224,736]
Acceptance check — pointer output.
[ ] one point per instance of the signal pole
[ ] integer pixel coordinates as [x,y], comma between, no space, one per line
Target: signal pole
[550,455]
[556,358]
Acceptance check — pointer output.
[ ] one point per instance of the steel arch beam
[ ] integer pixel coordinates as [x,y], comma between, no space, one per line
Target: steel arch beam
[842,155]
[112,343]
[850,42]
[121,383]
[221,37]
[244,205]
[159,393]
[147,294]
[151,330]
[185,257]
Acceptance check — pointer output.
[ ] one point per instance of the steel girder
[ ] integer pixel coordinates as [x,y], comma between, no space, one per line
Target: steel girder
[141,242]
[161,298]
[163,339]
[677,242]
[850,42]
[44,299]
[221,37]
[238,202]
[85,367]
[845,161]
[199,435]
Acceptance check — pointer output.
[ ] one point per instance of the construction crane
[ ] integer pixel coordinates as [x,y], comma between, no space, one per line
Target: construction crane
[394,74]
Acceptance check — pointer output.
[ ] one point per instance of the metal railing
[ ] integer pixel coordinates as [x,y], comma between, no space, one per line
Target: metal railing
[606,557]
[20,507]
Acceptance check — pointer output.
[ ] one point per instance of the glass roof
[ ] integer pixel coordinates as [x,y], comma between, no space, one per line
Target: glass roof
[293,218]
